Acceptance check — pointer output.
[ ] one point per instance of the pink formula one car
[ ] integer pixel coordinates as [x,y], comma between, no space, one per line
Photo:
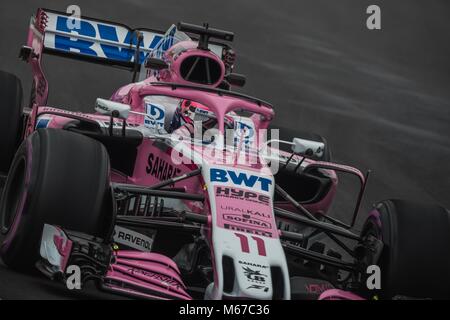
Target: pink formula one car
[170,190]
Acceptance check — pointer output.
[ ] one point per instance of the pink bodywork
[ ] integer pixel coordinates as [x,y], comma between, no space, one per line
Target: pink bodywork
[336,294]
[134,93]
[152,275]
[144,274]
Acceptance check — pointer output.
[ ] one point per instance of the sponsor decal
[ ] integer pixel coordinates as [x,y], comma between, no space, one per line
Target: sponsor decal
[258,287]
[97,39]
[201,112]
[252,264]
[155,117]
[43,123]
[164,280]
[248,230]
[246,219]
[160,169]
[240,194]
[240,179]
[245,211]
[249,212]
[254,275]
[132,239]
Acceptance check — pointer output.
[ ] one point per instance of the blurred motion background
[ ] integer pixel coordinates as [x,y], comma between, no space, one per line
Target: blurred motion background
[380,97]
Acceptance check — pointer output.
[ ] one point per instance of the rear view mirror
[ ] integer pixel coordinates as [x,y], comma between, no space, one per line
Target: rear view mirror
[308,148]
[112,108]
[155,64]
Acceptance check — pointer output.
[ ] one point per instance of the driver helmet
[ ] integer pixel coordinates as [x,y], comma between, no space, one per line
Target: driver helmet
[189,112]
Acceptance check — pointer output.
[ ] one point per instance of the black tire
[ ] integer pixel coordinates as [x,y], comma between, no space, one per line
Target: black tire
[10,118]
[56,177]
[415,261]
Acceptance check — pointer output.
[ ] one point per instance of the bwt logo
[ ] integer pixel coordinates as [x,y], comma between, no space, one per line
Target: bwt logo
[155,116]
[109,41]
[240,179]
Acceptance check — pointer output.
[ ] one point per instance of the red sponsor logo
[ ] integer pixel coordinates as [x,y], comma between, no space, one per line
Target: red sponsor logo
[246,219]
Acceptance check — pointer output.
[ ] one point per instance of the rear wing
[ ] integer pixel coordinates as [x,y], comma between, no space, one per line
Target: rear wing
[96,40]
[93,40]
[88,39]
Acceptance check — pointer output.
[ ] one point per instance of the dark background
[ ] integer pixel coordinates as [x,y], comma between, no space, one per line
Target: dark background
[380,97]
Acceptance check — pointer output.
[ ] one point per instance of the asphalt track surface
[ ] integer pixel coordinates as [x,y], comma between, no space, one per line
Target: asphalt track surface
[381,98]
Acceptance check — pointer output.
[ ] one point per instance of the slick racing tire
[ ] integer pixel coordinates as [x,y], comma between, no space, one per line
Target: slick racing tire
[415,259]
[10,118]
[56,177]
